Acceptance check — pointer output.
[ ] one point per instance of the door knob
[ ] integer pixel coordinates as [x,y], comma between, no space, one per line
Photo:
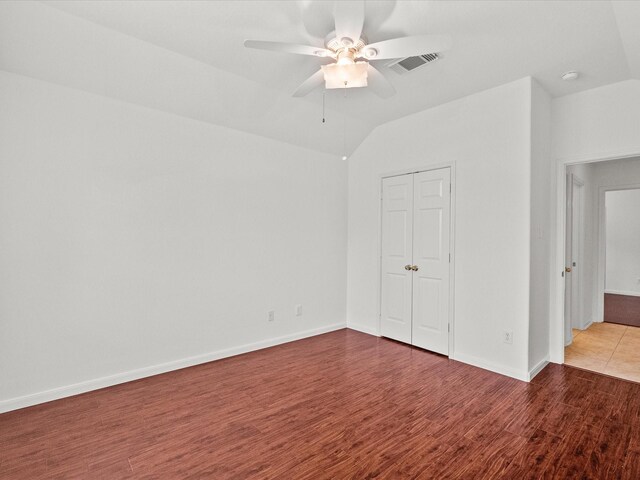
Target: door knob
[568,269]
[414,268]
[407,267]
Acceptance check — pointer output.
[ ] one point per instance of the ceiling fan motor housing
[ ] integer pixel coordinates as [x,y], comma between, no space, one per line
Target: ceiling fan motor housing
[335,44]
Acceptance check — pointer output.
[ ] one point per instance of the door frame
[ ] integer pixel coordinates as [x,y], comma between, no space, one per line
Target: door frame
[558,260]
[408,171]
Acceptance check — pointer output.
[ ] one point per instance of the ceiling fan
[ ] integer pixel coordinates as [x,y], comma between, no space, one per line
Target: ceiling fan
[352,54]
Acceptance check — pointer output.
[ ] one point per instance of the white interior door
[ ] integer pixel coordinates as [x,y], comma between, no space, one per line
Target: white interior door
[574,238]
[431,219]
[397,237]
[568,248]
[577,236]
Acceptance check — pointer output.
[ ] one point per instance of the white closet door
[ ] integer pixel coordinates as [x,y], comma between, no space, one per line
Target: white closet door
[432,212]
[397,233]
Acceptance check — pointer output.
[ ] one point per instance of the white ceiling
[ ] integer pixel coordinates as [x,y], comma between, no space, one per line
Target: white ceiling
[187,57]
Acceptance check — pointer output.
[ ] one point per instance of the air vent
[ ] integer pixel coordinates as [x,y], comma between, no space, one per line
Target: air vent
[411,63]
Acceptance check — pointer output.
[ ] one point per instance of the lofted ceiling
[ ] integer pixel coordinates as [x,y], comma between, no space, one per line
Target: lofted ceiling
[187,57]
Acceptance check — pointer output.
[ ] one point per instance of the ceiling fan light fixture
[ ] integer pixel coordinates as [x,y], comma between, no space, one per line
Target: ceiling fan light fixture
[370,52]
[346,57]
[346,42]
[345,76]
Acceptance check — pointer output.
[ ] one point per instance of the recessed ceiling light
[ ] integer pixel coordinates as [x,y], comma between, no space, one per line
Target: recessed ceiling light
[344,157]
[568,76]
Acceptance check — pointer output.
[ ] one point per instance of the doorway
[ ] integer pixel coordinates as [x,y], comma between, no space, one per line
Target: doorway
[622,257]
[601,271]
[415,259]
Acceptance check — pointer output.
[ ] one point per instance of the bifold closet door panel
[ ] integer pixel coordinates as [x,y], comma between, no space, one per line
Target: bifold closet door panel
[396,257]
[431,219]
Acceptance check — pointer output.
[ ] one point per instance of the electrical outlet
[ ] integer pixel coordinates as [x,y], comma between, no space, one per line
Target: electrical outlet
[272,315]
[508,336]
[298,310]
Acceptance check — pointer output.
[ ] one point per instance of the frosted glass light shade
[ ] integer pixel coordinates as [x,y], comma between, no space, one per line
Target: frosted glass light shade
[345,76]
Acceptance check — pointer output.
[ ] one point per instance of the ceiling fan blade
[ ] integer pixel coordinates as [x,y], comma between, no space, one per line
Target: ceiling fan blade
[288,48]
[349,17]
[410,46]
[311,83]
[378,83]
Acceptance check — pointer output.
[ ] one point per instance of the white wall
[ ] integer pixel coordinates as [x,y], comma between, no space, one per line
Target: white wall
[486,137]
[541,182]
[623,242]
[598,123]
[130,238]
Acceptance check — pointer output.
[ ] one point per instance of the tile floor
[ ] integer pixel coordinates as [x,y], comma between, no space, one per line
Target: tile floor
[606,348]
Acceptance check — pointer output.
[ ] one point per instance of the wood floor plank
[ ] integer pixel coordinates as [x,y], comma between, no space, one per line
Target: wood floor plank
[339,405]
[540,451]
[610,452]
[631,467]
[575,452]
[560,420]
[492,459]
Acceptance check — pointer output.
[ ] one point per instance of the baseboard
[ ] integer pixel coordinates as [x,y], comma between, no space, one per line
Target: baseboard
[538,368]
[364,329]
[492,367]
[629,293]
[464,358]
[108,381]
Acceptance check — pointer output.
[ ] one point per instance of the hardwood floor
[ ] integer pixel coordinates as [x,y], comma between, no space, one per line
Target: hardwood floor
[622,309]
[339,405]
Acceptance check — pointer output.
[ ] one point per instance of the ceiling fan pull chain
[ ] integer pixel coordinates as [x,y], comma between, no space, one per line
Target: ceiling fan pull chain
[323,118]
[344,129]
